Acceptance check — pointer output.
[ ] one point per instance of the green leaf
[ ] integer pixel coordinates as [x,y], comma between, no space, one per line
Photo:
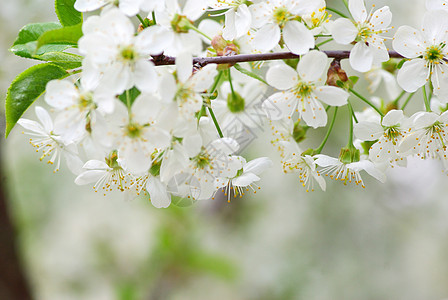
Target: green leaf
[67,14]
[62,59]
[65,36]
[250,74]
[26,42]
[26,88]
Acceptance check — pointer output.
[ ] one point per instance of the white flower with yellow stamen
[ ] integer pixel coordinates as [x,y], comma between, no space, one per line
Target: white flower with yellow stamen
[428,137]
[365,31]
[106,175]
[348,172]
[301,91]
[426,51]
[44,139]
[294,162]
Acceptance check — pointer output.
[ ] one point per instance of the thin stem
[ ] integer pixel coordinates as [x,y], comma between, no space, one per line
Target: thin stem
[366,101]
[425,99]
[346,4]
[230,82]
[210,110]
[399,97]
[350,137]
[212,114]
[353,112]
[337,12]
[192,27]
[407,101]
[319,149]
[324,42]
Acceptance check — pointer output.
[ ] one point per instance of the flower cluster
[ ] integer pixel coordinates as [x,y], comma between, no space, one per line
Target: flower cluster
[150,114]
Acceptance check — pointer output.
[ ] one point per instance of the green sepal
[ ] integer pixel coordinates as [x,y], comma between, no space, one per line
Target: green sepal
[66,12]
[400,64]
[26,88]
[133,94]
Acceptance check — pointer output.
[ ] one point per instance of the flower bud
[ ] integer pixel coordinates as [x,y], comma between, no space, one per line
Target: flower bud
[181,24]
[219,43]
[235,102]
[336,73]
[299,132]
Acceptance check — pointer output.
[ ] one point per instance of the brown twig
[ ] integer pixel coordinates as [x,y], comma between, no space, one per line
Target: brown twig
[162,60]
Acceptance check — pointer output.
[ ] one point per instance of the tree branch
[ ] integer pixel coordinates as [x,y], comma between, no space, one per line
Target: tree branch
[162,60]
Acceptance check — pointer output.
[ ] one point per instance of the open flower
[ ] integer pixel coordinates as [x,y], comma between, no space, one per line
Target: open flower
[277,19]
[389,133]
[426,50]
[51,145]
[300,91]
[365,31]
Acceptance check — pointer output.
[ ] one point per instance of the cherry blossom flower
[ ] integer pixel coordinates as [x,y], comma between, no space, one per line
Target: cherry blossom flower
[242,176]
[121,59]
[348,172]
[365,31]
[426,50]
[277,19]
[51,145]
[300,91]
[389,134]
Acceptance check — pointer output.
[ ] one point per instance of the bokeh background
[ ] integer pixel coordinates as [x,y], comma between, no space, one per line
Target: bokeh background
[387,241]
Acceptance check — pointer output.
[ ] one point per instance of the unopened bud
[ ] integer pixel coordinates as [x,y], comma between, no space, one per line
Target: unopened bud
[181,24]
[219,44]
[336,73]
[299,132]
[235,102]
[390,66]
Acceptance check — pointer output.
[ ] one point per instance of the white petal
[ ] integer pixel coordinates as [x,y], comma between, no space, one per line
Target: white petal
[408,42]
[331,95]
[204,78]
[264,44]
[343,31]
[61,94]
[358,10]
[312,65]
[393,118]
[361,58]
[368,131]
[413,75]
[193,9]
[157,192]
[145,76]
[184,66]
[435,24]
[282,77]
[381,18]
[44,118]
[326,161]
[258,165]
[280,105]
[297,37]
[245,179]
[90,176]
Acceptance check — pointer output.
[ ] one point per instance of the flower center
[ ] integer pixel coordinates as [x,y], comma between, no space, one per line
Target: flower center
[111,160]
[134,130]
[434,54]
[303,89]
[202,160]
[86,101]
[128,54]
[364,33]
[392,133]
[281,15]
